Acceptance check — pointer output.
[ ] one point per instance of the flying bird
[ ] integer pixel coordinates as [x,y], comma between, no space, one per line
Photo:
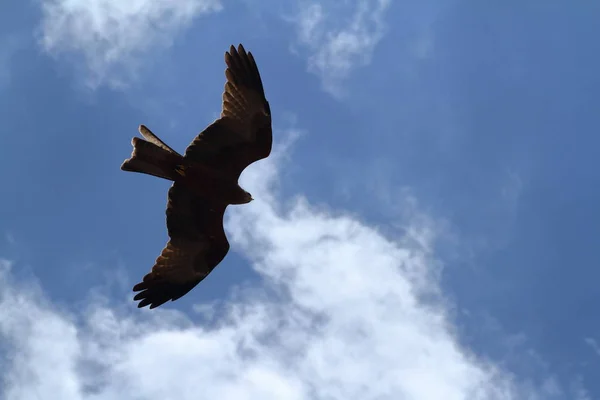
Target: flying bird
[205,181]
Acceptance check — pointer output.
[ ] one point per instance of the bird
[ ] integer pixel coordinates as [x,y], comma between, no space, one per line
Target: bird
[205,181]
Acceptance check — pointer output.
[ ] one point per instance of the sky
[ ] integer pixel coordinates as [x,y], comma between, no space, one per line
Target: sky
[424,229]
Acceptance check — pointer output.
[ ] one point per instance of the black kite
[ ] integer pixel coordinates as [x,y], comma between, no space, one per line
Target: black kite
[205,181]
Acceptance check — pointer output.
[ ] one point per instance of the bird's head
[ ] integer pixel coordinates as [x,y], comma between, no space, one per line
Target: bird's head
[247,197]
[242,197]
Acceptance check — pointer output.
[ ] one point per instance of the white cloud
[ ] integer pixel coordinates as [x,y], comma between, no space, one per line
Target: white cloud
[339,36]
[113,36]
[342,313]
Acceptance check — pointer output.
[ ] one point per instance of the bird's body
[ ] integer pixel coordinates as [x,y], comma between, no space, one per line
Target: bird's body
[208,182]
[205,182]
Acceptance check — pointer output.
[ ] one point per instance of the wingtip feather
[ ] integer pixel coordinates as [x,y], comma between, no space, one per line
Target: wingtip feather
[140,286]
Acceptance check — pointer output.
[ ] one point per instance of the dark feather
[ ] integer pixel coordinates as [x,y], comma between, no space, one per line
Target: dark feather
[151,159]
[197,245]
[214,160]
[243,133]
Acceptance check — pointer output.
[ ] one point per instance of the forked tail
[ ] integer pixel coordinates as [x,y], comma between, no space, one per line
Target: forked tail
[152,156]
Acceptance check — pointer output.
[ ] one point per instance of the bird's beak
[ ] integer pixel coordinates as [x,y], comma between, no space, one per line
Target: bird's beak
[251,198]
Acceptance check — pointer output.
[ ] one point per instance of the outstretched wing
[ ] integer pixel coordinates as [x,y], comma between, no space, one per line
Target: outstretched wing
[196,246]
[243,134]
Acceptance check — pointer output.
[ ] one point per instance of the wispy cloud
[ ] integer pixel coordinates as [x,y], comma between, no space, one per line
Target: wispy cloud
[593,344]
[579,390]
[339,36]
[342,313]
[9,44]
[113,36]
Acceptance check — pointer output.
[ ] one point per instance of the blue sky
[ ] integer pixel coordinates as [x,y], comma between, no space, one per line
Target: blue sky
[424,229]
